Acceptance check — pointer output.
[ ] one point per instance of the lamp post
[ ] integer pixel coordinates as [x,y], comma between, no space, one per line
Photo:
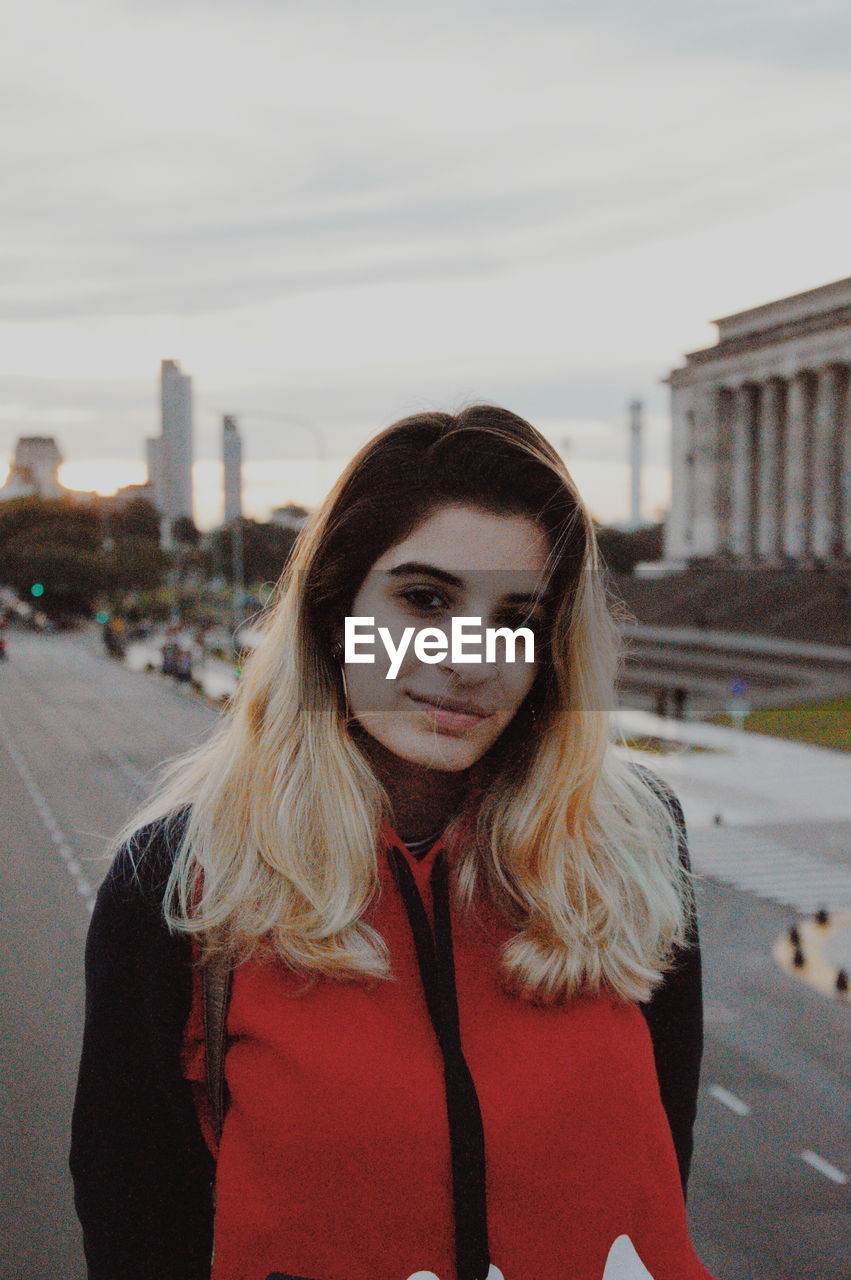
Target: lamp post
[237,548]
[636,411]
[237,573]
[287,419]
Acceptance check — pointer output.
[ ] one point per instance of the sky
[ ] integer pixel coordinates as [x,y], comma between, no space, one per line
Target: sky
[334,214]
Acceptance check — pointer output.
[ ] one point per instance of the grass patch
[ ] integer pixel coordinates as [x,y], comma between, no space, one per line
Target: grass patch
[822,724]
[664,746]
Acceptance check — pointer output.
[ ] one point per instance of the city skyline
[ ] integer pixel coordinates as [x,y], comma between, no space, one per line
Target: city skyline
[542,207]
[271,483]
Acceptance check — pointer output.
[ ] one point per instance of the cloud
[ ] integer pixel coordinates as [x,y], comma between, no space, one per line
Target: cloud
[186,158]
[342,213]
[812,35]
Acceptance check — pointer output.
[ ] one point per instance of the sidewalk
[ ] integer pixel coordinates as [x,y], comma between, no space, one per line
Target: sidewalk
[767,816]
[837,948]
[743,778]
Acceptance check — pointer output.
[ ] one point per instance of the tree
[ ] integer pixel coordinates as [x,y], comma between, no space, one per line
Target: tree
[184,532]
[49,519]
[135,519]
[623,549]
[135,564]
[72,579]
[266,549]
[71,555]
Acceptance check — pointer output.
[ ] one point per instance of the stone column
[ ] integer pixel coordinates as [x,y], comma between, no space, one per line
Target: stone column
[826,462]
[723,474]
[769,468]
[678,526]
[797,468]
[689,464]
[692,529]
[742,477]
[843,532]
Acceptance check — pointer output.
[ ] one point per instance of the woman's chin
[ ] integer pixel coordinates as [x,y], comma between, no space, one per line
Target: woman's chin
[425,748]
[435,751]
[448,761]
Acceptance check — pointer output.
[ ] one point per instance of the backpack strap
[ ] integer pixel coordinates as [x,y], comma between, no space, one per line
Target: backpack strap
[217,976]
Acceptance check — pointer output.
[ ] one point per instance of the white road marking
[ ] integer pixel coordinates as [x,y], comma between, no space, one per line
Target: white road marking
[756,863]
[56,717]
[64,847]
[829,1170]
[730,1100]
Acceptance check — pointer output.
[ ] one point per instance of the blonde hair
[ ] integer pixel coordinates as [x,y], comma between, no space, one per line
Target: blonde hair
[577,849]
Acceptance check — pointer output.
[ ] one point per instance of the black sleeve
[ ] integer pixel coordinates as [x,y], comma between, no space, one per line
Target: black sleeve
[142,1172]
[675,1017]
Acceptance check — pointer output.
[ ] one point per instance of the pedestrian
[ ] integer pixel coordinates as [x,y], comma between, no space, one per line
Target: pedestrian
[661,702]
[398,979]
[680,700]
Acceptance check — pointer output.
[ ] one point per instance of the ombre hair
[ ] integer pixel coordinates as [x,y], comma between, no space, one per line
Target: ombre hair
[279,846]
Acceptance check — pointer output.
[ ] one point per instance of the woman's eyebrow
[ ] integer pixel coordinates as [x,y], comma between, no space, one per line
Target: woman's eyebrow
[451,580]
[532,598]
[416,566]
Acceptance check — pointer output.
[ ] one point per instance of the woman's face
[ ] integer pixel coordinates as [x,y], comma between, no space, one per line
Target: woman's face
[458,562]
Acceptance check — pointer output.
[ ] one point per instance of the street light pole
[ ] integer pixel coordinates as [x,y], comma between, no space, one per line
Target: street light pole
[288,419]
[636,409]
[237,573]
[237,564]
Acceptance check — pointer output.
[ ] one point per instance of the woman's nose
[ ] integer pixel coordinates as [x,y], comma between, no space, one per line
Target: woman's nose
[472,674]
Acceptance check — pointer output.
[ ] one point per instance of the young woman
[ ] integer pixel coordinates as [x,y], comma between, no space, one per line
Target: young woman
[464,1030]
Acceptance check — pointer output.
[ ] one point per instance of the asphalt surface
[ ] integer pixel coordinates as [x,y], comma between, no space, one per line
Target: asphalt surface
[81,739]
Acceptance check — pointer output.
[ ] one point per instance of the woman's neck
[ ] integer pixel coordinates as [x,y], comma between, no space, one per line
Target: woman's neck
[423,800]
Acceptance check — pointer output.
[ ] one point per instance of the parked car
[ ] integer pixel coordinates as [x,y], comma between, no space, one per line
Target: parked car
[177,662]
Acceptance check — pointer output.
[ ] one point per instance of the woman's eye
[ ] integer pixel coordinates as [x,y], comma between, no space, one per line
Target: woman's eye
[430,601]
[425,599]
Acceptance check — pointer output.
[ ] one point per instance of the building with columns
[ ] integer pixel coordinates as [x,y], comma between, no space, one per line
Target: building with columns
[761,436]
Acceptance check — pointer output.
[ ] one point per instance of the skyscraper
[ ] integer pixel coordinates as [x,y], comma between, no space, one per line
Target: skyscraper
[232,459]
[176,450]
[170,455]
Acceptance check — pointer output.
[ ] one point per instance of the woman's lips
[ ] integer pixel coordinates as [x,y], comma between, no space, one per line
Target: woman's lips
[442,717]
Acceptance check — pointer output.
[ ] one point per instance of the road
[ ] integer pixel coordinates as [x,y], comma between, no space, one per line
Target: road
[80,742]
[81,739]
[757,1209]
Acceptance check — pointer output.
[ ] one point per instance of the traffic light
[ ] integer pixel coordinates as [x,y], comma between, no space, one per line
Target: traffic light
[37,590]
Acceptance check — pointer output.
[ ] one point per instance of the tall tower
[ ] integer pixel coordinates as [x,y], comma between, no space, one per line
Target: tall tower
[635,411]
[175,450]
[232,459]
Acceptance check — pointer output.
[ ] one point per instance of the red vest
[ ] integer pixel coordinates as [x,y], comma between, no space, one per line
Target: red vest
[335,1153]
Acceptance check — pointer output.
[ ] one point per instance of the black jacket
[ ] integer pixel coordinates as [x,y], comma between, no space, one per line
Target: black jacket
[143,1175]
